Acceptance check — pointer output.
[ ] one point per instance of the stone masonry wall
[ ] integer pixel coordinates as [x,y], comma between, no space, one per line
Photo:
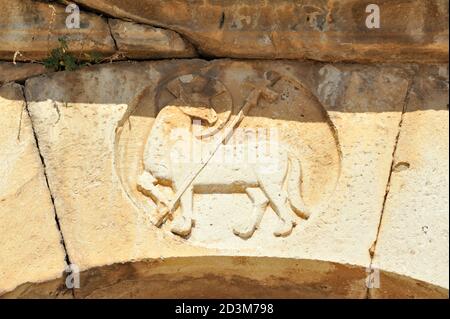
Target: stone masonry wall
[353,203]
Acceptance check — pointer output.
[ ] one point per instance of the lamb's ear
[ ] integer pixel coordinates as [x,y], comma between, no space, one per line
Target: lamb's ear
[222,120]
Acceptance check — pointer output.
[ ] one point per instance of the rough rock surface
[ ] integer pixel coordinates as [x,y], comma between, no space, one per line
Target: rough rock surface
[33,29]
[10,72]
[30,249]
[413,239]
[92,132]
[223,277]
[137,41]
[332,30]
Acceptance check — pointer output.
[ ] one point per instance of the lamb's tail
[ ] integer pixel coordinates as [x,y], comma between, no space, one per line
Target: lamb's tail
[294,187]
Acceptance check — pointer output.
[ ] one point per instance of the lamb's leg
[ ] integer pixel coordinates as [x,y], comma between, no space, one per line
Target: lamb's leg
[146,185]
[260,202]
[182,224]
[280,203]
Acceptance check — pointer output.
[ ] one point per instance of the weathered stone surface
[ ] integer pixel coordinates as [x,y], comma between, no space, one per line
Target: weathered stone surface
[137,41]
[30,248]
[333,30]
[33,29]
[341,121]
[10,72]
[413,239]
[225,178]
[50,289]
[222,277]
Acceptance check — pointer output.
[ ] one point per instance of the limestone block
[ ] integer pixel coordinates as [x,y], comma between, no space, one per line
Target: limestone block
[413,239]
[312,213]
[334,30]
[30,243]
[137,41]
[33,29]
[10,72]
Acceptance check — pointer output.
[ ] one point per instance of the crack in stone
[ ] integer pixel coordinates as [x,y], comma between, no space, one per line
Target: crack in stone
[372,249]
[183,36]
[20,123]
[58,225]
[112,35]
[107,17]
[56,107]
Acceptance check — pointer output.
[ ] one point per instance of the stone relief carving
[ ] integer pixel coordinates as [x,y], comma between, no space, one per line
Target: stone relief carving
[201,112]
[200,152]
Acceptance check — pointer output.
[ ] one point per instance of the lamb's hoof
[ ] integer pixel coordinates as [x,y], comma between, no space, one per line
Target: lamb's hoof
[305,214]
[244,232]
[182,226]
[285,229]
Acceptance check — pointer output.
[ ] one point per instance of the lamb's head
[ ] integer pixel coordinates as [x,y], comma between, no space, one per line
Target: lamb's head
[204,99]
[204,113]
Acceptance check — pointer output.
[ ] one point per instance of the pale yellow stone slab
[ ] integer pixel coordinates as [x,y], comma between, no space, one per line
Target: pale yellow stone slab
[30,243]
[341,121]
[413,239]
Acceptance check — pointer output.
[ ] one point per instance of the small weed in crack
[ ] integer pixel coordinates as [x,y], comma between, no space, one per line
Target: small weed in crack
[61,60]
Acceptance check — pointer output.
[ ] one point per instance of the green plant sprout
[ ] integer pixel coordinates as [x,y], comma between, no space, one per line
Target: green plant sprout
[62,60]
